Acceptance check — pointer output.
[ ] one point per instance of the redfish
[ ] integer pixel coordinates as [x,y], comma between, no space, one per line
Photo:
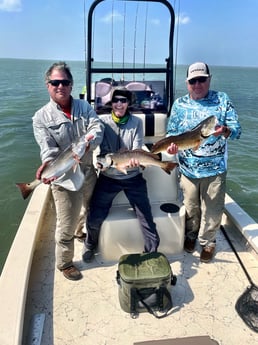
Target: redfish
[190,139]
[66,160]
[120,160]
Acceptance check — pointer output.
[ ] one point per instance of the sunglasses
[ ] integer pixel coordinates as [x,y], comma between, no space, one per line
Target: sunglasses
[116,100]
[57,82]
[200,80]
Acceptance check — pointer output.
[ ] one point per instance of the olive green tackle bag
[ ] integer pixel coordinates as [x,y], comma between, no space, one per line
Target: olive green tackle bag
[144,283]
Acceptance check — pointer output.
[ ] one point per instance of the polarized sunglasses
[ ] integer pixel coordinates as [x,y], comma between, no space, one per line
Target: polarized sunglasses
[200,80]
[57,82]
[116,100]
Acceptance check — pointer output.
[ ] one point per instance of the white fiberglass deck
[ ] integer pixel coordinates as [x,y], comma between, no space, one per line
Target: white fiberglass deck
[88,311]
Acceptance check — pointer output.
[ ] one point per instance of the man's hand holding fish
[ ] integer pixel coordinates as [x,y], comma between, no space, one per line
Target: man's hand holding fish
[172,149]
[222,130]
[40,171]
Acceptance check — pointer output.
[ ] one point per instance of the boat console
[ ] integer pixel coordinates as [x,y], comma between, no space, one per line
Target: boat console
[151,84]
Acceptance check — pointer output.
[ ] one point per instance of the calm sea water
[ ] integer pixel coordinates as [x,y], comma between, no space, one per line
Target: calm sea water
[22,92]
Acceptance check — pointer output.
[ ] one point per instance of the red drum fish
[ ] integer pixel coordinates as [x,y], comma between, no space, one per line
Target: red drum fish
[121,159]
[190,139]
[70,158]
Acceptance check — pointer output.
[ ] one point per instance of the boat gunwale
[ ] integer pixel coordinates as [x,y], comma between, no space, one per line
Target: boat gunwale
[15,275]
[244,223]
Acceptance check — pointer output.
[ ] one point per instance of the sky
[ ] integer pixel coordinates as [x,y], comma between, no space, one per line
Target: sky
[221,32]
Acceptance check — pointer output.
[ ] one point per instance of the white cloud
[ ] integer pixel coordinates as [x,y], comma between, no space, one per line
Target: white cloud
[10,5]
[182,19]
[115,16]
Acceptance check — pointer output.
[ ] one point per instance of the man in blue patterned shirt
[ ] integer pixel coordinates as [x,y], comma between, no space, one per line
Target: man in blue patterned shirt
[203,171]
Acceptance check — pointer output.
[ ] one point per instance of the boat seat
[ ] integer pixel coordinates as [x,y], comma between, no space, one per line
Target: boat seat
[121,233]
[154,126]
[103,92]
[154,120]
[138,86]
[147,97]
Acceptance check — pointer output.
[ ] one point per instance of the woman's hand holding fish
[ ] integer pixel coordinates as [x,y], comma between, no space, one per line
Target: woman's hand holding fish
[172,149]
[133,163]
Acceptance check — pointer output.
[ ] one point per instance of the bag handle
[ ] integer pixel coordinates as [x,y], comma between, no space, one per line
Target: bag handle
[162,290]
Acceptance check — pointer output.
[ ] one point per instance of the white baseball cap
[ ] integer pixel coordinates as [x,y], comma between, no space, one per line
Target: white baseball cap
[197,69]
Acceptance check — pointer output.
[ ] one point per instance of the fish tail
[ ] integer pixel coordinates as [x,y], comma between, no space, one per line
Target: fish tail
[25,189]
[169,166]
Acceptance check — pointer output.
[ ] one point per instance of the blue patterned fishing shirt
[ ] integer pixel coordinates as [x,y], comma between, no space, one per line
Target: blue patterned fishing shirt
[210,158]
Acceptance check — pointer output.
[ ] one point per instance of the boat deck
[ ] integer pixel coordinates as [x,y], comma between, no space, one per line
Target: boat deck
[88,311]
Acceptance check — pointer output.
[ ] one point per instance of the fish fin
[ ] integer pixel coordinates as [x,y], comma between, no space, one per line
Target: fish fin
[122,150]
[139,150]
[208,135]
[195,148]
[169,166]
[76,158]
[59,177]
[156,156]
[121,169]
[76,165]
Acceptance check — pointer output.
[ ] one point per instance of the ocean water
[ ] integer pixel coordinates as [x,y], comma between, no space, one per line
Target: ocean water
[22,92]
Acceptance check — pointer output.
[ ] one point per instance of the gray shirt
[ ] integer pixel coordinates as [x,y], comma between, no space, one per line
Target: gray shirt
[117,137]
[55,132]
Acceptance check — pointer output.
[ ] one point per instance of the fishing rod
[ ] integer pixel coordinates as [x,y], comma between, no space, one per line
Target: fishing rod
[135,31]
[145,40]
[176,45]
[123,75]
[85,44]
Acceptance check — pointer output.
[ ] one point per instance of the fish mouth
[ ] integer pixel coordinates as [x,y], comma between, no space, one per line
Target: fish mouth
[100,165]
[104,163]
[207,136]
